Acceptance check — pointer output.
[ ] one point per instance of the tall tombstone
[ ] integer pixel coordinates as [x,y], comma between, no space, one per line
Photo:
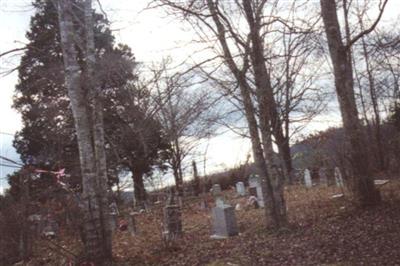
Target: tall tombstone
[307,178]
[255,186]
[172,219]
[132,225]
[224,221]
[240,189]
[323,178]
[113,221]
[338,177]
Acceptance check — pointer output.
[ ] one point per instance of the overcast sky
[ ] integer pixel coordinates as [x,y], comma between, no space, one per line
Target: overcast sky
[152,36]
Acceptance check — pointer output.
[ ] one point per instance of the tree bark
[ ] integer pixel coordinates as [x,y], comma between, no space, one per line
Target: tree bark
[269,118]
[139,189]
[272,210]
[196,180]
[363,183]
[97,243]
[176,163]
[98,130]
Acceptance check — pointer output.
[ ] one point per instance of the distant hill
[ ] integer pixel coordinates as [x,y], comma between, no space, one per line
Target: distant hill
[327,149]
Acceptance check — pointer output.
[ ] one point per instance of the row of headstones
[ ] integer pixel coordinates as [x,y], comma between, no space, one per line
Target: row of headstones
[323,177]
[172,220]
[223,215]
[255,189]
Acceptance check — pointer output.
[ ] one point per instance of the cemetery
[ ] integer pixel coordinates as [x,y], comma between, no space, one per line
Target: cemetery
[320,230]
[189,132]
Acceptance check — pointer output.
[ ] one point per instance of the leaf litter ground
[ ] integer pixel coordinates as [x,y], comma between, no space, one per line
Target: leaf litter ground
[321,231]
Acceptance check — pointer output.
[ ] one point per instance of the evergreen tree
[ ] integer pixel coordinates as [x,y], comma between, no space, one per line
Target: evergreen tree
[48,133]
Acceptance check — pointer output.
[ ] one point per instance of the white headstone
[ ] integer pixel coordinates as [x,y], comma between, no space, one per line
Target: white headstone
[338,177]
[240,189]
[255,182]
[307,178]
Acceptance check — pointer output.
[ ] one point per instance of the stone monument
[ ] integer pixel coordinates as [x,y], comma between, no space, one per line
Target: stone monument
[307,178]
[240,189]
[255,186]
[338,177]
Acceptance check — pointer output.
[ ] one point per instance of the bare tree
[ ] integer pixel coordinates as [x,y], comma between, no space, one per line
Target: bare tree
[239,54]
[376,72]
[185,112]
[363,185]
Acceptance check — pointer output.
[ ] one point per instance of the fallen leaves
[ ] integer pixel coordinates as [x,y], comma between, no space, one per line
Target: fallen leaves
[321,232]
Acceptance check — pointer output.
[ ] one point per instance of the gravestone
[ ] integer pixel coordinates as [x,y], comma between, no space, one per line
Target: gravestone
[338,177]
[132,223]
[307,178]
[172,219]
[255,185]
[172,222]
[323,179]
[240,189]
[224,222]
[114,208]
[217,195]
[216,190]
[113,221]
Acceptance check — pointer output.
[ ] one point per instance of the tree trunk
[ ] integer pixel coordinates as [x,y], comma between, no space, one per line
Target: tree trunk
[139,189]
[269,116]
[96,242]
[287,159]
[98,131]
[271,211]
[178,178]
[177,167]
[363,184]
[196,180]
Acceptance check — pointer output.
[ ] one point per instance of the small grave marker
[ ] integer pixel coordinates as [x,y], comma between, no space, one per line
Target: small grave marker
[240,189]
[338,177]
[307,178]
[113,221]
[132,226]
